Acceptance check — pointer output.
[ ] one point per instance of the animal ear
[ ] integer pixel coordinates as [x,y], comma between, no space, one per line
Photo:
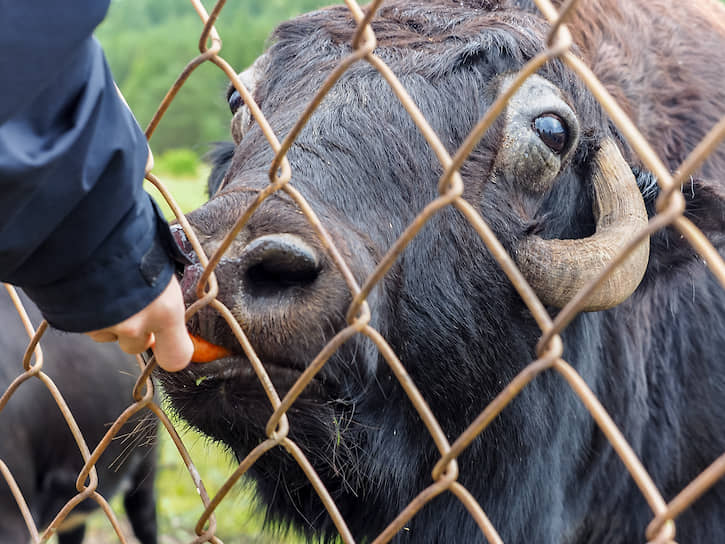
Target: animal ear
[705,205]
[704,199]
[220,158]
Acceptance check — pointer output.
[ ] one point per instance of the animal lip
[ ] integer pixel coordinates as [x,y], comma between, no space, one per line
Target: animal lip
[236,368]
[229,367]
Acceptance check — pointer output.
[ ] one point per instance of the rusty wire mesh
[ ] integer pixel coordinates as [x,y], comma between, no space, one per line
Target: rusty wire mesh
[549,349]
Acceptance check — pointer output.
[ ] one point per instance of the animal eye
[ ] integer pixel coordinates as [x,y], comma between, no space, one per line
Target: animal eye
[235,101]
[552,131]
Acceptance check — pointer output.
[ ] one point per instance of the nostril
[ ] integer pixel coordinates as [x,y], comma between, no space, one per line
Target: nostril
[278,261]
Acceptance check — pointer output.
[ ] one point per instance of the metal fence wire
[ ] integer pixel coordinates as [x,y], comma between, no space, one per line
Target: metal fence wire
[549,350]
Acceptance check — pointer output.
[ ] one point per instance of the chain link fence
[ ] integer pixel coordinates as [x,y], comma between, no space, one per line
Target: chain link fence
[549,350]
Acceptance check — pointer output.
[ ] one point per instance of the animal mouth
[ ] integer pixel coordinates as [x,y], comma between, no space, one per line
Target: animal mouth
[238,370]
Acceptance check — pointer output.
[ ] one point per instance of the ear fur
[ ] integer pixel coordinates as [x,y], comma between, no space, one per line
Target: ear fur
[220,158]
[704,206]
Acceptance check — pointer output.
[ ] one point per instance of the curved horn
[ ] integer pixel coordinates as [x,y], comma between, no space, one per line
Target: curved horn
[557,269]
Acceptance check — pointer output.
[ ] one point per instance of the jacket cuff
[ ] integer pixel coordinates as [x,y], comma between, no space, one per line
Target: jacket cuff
[127,272]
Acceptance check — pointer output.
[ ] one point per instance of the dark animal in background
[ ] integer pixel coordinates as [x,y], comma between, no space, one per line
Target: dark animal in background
[96,381]
[651,350]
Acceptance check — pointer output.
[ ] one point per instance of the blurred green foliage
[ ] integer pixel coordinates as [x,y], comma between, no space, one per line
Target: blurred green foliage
[178,162]
[189,193]
[148,43]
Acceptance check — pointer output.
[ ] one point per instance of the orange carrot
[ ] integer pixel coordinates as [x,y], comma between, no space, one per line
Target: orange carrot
[205,351]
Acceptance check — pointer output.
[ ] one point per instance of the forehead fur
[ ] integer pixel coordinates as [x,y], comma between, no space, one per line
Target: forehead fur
[414,35]
[472,41]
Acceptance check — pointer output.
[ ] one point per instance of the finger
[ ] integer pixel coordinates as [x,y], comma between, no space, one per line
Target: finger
[102,336]
[136,344]
[173,348]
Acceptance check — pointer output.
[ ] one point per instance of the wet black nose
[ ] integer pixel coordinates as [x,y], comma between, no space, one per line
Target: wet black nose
[279,261]
[279,285]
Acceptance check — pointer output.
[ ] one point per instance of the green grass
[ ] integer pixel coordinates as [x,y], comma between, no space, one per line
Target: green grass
[239,519]
[188,192]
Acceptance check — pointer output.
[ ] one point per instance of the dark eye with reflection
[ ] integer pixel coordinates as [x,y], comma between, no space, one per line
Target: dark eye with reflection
[235,101]
[552,131]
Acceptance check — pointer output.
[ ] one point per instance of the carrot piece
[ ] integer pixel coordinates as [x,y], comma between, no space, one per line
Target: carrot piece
[205,351]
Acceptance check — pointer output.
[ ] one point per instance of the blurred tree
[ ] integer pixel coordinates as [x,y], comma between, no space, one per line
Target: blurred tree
[148,43]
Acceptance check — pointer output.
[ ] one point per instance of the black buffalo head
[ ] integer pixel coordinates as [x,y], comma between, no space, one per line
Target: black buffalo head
[549,178]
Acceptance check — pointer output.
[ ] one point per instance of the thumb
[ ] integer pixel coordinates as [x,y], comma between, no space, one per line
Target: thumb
[173,347]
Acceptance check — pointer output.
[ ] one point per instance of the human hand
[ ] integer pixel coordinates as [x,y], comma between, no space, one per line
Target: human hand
[159,326]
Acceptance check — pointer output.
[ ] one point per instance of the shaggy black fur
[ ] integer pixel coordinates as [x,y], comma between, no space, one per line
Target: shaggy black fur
[542,470]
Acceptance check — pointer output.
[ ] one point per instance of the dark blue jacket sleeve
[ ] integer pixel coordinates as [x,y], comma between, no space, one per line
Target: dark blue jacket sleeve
[77,231]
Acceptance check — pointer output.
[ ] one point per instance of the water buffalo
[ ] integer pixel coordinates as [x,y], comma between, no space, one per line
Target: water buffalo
[550,169]
[96,381]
